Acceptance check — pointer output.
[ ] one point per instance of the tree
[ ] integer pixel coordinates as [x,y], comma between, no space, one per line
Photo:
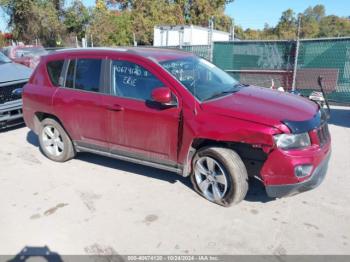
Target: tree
[287,25]
[317,12]
[58,4]
[33,19]
[334,26]
[239,32]
[76,19]
[310,23]
[18,14]
[46,25]
[2,40]
[195,12]
[114,22]
[148,13]
[140,17]
[110,28]
[251,34]
[269,33]
[198,12]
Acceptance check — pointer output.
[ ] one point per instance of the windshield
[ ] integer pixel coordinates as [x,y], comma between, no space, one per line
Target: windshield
[203,79]
[4,59]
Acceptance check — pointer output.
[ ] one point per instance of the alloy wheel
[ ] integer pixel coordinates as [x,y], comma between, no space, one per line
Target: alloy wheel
[211,178]
[52,140]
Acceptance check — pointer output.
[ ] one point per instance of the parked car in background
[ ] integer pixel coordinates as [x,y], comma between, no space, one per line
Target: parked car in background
[12,79]
[172,110]
[28,55]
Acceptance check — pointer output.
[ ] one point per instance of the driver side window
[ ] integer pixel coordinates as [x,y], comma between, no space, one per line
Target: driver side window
[133,81]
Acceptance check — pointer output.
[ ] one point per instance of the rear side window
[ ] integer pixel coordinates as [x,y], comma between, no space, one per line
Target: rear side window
[84,74]
[87,76]
[54,68]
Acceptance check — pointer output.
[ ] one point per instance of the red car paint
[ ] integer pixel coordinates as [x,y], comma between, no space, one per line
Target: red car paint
[251,117]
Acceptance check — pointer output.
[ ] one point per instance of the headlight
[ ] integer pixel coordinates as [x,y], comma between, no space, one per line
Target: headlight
[290,141]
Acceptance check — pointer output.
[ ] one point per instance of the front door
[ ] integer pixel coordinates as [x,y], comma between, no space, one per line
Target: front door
[138,127]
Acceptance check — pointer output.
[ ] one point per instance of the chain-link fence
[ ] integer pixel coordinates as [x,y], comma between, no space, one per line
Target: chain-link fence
[267,63]
[327,57]
[200,50]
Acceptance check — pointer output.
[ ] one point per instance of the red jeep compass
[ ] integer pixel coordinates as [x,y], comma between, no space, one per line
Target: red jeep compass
[172,110]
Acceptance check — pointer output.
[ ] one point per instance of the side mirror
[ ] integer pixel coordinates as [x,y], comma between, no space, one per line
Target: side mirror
[163,96]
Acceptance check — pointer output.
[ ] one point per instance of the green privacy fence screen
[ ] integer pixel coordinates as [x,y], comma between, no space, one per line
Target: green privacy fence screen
[267,63]
[200,50]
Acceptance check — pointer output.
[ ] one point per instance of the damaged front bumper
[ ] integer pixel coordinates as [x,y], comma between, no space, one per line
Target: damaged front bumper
[11,114]
[316,178]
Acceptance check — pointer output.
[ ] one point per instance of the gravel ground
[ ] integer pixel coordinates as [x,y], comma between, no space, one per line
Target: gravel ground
[97,205]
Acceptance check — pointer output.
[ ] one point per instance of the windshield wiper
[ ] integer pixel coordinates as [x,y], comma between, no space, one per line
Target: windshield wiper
[219,94]
[225,92]
[238,85]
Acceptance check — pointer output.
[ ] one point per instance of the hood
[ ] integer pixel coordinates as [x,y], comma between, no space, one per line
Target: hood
[263,105]
[13,72]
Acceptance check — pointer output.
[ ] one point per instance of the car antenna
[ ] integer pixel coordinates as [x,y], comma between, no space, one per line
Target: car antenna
[321,84]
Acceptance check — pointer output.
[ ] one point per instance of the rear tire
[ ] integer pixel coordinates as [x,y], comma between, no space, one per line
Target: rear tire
[55,142]
[220,176]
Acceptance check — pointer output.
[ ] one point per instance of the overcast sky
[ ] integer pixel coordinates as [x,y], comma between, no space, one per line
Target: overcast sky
[255,13]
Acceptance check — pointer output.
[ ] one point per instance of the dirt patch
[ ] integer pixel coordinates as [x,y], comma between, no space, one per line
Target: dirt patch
[54,209]
[35,216]
[150,219]
[308,225]
[97,249]
[89,200]
[254,211]
[29,158]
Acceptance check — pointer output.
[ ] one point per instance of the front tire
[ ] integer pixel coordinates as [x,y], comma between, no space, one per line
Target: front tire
[55,142]
[220,176]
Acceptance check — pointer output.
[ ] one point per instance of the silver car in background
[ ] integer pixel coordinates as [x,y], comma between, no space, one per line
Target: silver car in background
[12,79]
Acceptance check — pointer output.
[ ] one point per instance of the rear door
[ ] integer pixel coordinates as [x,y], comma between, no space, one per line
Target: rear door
[79,102]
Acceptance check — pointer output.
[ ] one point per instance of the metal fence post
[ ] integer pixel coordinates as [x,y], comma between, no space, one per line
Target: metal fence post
[296,55]
[210,39]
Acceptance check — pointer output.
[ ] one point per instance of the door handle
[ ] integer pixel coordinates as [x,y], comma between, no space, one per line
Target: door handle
[115,107]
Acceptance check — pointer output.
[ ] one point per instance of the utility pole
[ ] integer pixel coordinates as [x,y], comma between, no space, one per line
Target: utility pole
[134,38]
[210,38]
[232,31]
[296,55]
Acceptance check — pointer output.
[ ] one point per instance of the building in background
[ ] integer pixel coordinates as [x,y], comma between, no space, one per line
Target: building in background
[187,35]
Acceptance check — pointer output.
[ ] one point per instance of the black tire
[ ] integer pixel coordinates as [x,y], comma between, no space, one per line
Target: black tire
[234,170]
[68,151]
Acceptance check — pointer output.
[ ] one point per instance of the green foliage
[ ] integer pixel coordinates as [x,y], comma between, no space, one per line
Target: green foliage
[111,28]
[287,26]
[115,22]
[33,19]
[76,19]
[148,13]
[334,26]
[314,24]
[2,40]
[198,12]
